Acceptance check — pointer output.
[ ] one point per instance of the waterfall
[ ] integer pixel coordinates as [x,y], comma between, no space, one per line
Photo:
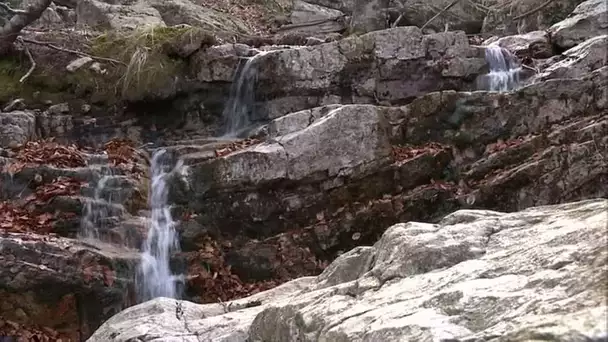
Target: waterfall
[94,213]
[504,69]
[238,111]
[155,277]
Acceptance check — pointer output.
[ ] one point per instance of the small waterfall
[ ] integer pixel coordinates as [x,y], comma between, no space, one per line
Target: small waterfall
[155,277]
[238,111]
[95,212]
[504,69]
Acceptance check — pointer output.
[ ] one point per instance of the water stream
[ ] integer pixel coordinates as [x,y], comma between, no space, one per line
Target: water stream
[155,278]
[504,69]
[240,108]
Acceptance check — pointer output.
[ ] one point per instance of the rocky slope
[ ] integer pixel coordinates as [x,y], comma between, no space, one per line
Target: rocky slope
[349,136]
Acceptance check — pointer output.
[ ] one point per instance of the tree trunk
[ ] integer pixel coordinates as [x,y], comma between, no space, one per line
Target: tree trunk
[19,20]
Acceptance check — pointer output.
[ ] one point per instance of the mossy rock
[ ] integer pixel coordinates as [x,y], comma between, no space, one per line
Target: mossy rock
[148,66]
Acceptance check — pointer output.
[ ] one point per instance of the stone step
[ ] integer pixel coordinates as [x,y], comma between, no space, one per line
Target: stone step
[96,208]
[113,189]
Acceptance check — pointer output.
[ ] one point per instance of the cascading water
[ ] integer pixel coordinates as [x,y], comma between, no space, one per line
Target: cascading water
[504,69]
[155,277]
[238,111]
[91,217]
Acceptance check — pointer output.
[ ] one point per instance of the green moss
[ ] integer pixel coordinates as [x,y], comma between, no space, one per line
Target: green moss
[9,82]
[149,67]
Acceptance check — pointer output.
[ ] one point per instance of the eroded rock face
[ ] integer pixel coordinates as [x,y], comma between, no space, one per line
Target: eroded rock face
[463,16]
[589,19]
[121,15]
[389,66]
[534,44]
[63,284]
[16,128]
[579,60]
[509,18]
[474,275]
[501,151]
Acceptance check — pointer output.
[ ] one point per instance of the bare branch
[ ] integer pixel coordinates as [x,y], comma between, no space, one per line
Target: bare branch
[78,53]
[32,61]
[9,10]
[545,4]
[440,13]
[398,19]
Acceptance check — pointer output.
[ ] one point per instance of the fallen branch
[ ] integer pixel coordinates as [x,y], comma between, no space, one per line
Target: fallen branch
[10,10]
[398,20]
[32,61]
[534,10]
[78,53]
[440,13]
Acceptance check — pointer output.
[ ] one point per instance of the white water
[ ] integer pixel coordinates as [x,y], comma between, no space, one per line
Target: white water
[240,107]
[95,212]
[155,277]
[504,69]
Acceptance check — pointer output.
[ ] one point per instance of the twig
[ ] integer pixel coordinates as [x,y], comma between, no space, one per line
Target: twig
[10,10]
[531,68]
[398,20]
[534,10]
[79,53]
[440,13]
[32,61]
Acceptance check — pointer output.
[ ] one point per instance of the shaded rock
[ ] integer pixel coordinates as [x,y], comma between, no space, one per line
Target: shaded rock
[589,19]
[443,286]
[463,15]
[508,18]
[16,128]
[63,284]
[366,16]
[579,60]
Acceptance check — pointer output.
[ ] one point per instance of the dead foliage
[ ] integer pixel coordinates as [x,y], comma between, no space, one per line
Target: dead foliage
[236,146]
[122,154]
[16,332]
[403,153]
[501,145]
[210,277]
[253,13]
[45,152]
[26,217]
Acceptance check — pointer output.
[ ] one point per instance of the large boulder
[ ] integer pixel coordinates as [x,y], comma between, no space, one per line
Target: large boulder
[346,141]
[16,128]
[474,275]
[579,60]
[589,19]
[462,15]
[366,16]
[307,18]
[63,284]
[121,15]
[507,17]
